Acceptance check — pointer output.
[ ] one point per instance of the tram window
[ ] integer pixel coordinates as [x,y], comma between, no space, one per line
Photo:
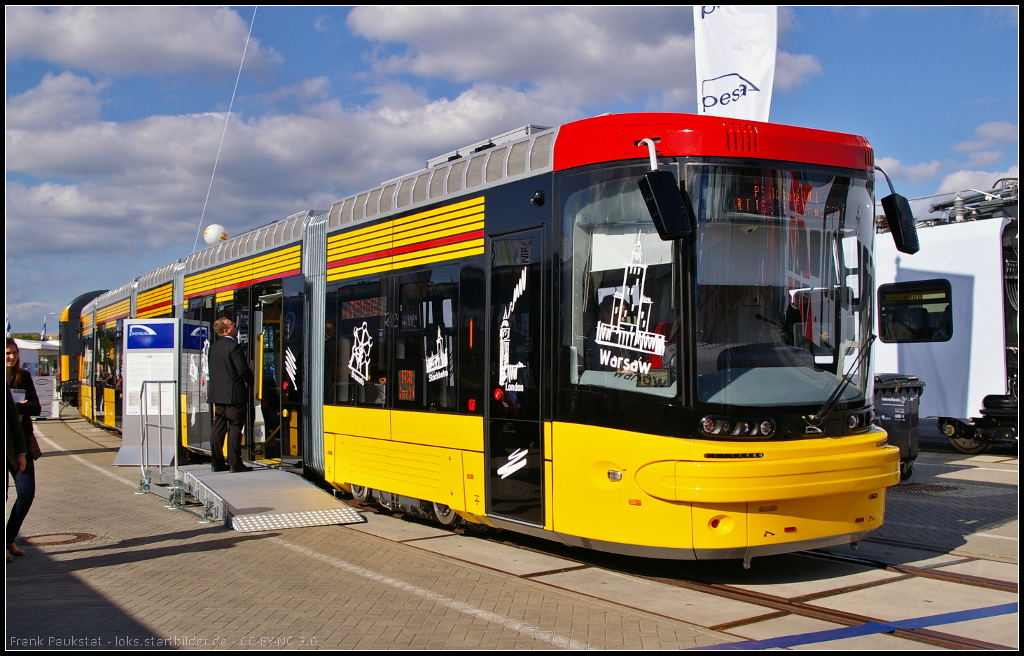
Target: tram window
[405,192]
[496,164]
[474,174]
[455,177]
[437,182]
[426,340]
[360,207]
[371,202]
[517,158]
[387,197]
[419,191]
[915,311]
[540,156]
[356,348]
[623,325]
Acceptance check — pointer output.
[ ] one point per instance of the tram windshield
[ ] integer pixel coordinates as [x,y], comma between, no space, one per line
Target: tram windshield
[783,298]
[624,318]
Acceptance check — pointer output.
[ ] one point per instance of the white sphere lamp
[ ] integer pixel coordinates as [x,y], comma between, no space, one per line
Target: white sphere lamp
[215,233]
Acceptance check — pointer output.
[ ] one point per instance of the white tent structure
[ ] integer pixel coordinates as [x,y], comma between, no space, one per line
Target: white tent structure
[41,360]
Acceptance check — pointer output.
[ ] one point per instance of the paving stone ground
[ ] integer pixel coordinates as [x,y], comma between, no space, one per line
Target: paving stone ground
[158,578]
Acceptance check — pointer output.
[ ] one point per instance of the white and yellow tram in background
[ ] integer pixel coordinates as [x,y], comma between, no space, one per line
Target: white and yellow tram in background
[530,334]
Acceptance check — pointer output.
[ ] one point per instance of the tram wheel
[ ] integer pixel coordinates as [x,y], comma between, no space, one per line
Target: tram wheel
[478,529]
[444,514]
[970,445]
[360,493]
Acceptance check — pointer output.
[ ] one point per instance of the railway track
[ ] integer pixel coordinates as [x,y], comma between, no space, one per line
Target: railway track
[775,606]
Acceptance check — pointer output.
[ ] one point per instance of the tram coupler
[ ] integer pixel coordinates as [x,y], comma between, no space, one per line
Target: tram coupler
[746,561]
[854,545]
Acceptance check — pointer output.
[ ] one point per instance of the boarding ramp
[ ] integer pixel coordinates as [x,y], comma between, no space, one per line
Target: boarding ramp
[264,499]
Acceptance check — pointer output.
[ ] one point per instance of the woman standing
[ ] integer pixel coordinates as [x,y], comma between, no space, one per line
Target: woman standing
[20,385]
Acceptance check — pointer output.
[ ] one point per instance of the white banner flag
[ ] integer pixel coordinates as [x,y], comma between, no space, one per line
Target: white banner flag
[735,53]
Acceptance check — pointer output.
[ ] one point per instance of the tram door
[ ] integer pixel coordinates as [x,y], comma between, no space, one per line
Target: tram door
[514,440]
[278,397]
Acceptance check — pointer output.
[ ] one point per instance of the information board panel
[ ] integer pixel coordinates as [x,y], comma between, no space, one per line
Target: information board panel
[151,382]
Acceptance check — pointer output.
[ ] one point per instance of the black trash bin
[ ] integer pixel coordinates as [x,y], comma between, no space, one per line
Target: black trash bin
[896,403]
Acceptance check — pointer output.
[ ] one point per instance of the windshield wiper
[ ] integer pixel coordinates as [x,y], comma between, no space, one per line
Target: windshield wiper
[814,421]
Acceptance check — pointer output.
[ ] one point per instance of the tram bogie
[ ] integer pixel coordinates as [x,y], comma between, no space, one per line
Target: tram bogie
[506,339]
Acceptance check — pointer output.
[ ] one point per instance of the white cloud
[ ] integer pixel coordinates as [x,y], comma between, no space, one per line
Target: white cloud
[980,180]
[31,311]
[913,173]
[129,40]
[59,101]
[990,134]
[985,158]
[584,55]
[793,70]
[309,90]
[153,174]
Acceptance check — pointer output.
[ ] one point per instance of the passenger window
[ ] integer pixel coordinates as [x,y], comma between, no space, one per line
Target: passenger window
[915,311]
[427,339]
[355,351]
[624,314]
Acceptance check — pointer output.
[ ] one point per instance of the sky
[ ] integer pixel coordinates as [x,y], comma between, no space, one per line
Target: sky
[115,115]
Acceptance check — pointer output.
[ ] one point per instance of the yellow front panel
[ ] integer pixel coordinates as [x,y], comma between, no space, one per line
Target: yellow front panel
[586,503]
[184,420]
[719,525]
[814,517]
[413,470]
[108,407]
[363,422]
[473,481]
[85,401]
[796,478]
[293,434]
[329,473]
[341,468]
[450,431]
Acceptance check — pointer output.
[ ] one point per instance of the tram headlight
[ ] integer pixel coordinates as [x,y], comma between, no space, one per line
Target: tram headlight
[722,426]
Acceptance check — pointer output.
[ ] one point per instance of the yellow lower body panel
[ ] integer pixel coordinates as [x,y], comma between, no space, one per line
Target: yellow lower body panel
[85,401]
[653,491]
[109,407]
[412,470]
[588,503]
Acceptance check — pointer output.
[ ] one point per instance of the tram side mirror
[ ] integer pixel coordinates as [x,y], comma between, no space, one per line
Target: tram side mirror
[669,206]
[901,223]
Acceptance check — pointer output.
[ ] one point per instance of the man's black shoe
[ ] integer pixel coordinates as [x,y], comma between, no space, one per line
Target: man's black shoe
[240,468]
[219,469]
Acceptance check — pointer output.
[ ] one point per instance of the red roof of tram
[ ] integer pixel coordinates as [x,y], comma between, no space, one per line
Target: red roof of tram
[612,137]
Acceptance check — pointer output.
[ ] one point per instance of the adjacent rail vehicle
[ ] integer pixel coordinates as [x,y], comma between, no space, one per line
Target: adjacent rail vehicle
[532,333]
[969,260]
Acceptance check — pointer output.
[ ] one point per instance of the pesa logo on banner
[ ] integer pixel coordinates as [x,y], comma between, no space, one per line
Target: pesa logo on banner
[150,336]
[735,56]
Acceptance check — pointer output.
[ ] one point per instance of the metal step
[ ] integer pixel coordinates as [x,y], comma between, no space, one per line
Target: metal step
[264,499]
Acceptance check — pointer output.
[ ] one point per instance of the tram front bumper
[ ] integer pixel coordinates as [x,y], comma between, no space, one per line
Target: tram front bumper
[744,481]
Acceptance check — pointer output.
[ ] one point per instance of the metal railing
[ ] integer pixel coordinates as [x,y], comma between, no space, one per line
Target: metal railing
[147,424]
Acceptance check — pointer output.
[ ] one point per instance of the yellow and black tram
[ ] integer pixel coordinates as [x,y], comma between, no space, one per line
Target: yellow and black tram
[538,332]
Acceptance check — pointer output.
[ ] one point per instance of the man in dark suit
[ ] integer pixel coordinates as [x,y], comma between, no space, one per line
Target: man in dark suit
[230,382]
